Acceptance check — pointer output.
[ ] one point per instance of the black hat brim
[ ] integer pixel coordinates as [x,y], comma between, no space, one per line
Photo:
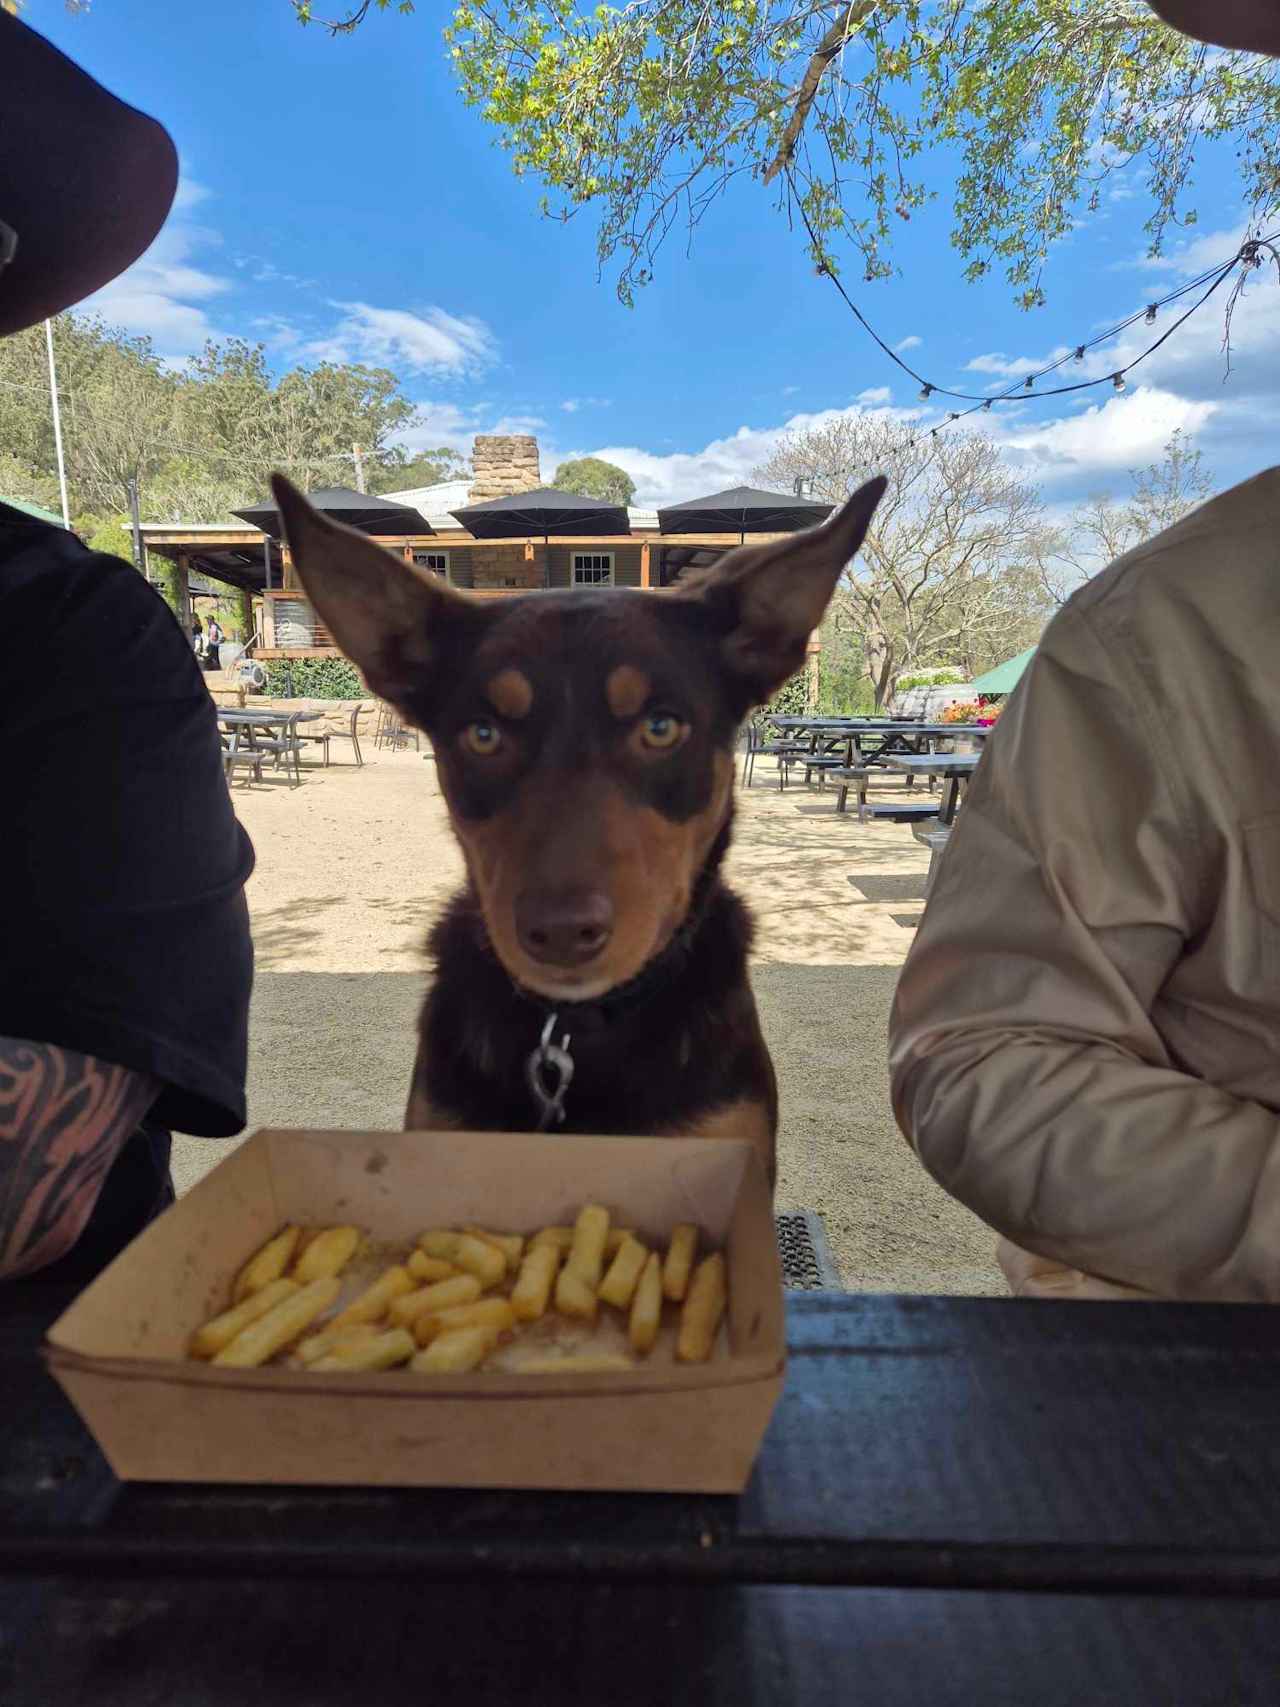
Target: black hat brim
[86,181]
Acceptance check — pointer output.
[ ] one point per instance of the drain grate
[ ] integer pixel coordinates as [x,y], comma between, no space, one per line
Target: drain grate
[807,1264]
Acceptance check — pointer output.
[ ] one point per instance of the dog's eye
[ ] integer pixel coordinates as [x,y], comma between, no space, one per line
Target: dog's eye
[660,730]
[482,738]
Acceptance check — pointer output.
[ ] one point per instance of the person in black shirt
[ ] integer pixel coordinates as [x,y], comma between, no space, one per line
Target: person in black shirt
[125,959]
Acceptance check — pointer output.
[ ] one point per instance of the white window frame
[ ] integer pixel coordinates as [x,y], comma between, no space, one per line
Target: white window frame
[605,562]
[421,553]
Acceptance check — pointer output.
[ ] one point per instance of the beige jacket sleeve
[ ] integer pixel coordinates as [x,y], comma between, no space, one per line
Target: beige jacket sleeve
[1027,1071]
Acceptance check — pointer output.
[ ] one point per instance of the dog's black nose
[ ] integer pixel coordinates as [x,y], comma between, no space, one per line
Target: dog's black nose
[563,927]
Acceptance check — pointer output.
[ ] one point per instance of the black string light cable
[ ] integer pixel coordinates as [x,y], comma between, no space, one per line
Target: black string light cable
[1249,254]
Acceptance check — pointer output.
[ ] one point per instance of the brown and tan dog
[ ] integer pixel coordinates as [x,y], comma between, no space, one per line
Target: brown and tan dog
[585,743]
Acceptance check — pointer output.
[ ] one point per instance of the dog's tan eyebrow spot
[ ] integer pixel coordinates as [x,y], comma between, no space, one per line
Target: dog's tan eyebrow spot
[510,693]
[626,690]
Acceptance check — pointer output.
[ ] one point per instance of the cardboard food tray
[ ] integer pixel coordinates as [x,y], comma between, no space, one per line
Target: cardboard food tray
[119,1352]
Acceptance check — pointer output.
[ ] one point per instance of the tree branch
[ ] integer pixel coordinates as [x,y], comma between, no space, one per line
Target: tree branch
[827,49]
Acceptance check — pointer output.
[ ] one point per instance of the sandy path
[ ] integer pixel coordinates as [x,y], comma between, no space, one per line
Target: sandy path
[353,866]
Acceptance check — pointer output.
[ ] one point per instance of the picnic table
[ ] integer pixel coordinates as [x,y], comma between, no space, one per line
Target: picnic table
[255,734]
[959,1501]
[957,768]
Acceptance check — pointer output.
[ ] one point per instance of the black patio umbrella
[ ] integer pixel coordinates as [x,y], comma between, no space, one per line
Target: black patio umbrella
[356,509]
[544,511]
[743,510]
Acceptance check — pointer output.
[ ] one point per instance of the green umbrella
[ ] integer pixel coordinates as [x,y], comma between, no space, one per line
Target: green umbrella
[1005,677]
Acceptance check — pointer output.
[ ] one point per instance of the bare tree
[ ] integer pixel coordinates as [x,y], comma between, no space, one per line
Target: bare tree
[946,573]
[1104,528]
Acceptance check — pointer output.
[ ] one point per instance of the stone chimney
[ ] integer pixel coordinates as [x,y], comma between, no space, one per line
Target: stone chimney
[502,465]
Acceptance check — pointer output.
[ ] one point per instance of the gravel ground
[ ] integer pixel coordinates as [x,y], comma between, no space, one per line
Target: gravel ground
[353,866]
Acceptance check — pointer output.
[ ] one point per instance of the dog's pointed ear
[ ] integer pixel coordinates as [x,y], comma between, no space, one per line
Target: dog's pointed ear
[383,613]
[770,598]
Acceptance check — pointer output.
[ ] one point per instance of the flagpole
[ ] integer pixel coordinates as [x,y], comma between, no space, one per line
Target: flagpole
[57,424]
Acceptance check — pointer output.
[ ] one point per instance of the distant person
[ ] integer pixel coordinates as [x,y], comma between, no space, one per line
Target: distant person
[197,635]
[1085,1044]
[125,964]
[213,644]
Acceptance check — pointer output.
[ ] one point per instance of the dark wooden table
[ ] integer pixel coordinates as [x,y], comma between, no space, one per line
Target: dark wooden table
[956,768]
[963,1501]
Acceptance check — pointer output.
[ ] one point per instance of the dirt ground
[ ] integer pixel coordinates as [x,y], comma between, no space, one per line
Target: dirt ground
[353,866]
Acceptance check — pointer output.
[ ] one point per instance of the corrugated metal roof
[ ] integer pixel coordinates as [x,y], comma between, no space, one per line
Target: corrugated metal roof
[41,515]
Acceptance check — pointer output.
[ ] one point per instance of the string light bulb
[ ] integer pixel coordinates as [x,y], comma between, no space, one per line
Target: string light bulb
[1079,352]
[1028,382]
[1151,314]
[987,404]
[1117,380]
[926,392]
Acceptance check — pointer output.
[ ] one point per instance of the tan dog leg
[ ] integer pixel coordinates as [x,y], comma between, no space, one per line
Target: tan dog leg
[743,1119]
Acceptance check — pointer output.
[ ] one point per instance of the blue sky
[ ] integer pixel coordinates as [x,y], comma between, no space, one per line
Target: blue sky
[339,200]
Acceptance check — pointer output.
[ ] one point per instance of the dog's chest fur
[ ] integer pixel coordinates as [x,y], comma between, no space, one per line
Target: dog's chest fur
[684,1043]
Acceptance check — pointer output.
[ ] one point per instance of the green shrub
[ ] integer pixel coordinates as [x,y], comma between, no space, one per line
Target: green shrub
[789,701]
[930,679]
[313,678]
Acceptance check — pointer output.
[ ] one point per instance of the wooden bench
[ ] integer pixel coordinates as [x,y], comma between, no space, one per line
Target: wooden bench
[845,775]
[896,812]
[934,835]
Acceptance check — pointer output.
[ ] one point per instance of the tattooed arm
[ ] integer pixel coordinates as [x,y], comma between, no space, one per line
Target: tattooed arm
[63,1118]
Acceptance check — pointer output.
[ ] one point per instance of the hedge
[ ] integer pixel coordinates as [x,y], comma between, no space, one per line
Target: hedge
[313,678]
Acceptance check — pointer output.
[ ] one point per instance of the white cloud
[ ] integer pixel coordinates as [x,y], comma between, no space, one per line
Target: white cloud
[162,294]
[1126,431]
[516,424]
[1013,367]
[1192,255]
[911,343]
[266,272]
[434,341]
[720,464]
[876,394]
[790,390]
[572,405]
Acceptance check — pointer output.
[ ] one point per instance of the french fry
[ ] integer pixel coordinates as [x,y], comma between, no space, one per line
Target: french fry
[383,1351]
[460,1289]
[424,1268]
[330,1338]
[266,1265]
[484,1313]
[590,1231]
[574,1297]
[679,1264]
[327,1254]
[374,1300]
[561,1238]
[703,1308]
[474,1256]
[575,1363]
[510,1244]
[456,1352]
[646,1307]
[438,1242]
[214,1335]
[532,1290]
[271,1333]
[619,1285]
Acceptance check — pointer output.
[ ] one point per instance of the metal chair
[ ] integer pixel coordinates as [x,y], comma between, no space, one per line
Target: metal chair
[783,751]
[392,730]
[351,733]
[286,745]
